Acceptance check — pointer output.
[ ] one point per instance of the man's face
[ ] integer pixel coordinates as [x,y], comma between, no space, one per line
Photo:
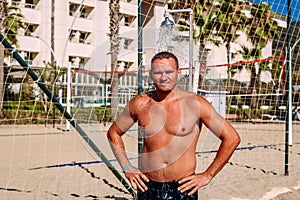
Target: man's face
[164,74]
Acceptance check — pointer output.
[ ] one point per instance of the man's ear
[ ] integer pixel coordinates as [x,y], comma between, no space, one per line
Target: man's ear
[150,74]
[179,74]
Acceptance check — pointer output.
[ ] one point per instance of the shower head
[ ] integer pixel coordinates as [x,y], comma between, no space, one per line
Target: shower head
[167,22]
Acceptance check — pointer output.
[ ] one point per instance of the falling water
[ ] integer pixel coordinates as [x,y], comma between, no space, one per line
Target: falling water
[168,35]
[174,41]
[171,40]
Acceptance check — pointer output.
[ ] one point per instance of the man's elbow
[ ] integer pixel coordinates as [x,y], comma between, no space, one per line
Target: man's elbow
[236,140]
[113,133]
[232,140]
[110,134]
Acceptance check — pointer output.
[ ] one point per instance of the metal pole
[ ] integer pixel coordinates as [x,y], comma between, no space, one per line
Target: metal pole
[105,93]
[53,65]
[68,94]
[290,100]
[67,115]
[288,118]
[191,53]
[140,76]
[190,43]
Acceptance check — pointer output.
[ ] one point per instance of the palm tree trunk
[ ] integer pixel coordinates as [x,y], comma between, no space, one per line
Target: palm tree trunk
[1,79]
[2,30]
[114,86]
[53,61]
[202,62]
[253,87]
[228,60]
[114,13]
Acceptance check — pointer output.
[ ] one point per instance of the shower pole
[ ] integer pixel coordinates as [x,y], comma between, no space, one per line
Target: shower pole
[190,11]
[140,75]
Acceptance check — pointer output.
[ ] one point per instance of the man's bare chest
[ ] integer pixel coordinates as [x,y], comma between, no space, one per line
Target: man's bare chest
[174,119]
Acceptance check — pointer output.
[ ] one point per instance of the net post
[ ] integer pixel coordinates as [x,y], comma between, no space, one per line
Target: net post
[288,114]
[140,76]
[66,114]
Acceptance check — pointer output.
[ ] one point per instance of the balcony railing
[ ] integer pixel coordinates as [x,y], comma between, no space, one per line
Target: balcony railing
[23,5]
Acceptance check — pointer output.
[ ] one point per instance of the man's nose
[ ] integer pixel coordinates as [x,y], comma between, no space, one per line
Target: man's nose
[163,75]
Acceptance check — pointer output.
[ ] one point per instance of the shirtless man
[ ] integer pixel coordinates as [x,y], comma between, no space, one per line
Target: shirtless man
[171,121]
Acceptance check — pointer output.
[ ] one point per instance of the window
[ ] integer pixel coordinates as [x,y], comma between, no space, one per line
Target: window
[125,43]
[124,65]
[15,2]
[83,36]
[78,62]
[84,11]
[127,20]
[72,9]
[79,36]
[30,4]
[30,28]
[29,57]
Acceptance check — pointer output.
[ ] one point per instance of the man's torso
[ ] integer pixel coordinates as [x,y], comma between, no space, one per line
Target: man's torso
[170,130]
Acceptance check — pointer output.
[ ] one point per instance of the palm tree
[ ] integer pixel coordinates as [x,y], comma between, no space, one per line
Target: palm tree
[255,69]
[205,16]
[183,4]
[14,22]
[204,12]
[261,28]
[10,23]
[114,14]
[230,19]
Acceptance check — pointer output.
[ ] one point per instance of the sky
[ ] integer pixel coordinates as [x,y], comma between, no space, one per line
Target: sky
[281,6]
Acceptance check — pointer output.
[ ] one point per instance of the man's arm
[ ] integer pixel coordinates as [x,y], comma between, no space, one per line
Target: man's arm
[230,140]
[114,135]
[117,145]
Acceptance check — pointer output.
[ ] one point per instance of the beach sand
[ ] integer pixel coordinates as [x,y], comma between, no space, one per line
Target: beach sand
[42,162]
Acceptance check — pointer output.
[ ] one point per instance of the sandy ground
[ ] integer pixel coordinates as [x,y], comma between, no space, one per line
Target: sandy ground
[39,162]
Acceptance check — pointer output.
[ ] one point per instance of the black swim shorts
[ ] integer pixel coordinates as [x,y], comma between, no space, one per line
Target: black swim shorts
[165,190]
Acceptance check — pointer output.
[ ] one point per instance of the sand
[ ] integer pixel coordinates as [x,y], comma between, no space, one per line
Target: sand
[42,162]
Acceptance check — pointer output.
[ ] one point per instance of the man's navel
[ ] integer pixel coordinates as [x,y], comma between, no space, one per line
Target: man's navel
[165,164]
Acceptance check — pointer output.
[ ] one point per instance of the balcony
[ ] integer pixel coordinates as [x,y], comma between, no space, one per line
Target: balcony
[83,11]
[82,37]
[30,4]
[128,20]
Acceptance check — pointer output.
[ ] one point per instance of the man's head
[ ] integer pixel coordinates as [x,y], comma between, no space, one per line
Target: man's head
[164,71]
[165,55]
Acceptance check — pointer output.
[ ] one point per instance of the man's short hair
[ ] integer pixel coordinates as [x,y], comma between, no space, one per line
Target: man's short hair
[165,55]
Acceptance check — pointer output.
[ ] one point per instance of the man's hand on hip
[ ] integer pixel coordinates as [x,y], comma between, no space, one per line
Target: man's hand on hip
[136,179]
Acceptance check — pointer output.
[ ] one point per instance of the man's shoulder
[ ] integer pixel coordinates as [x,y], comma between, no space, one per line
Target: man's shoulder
[139,103]
[194,99]
[141,98]
[190,95]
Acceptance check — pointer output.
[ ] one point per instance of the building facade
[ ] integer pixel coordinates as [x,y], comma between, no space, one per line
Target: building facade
[75,34]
